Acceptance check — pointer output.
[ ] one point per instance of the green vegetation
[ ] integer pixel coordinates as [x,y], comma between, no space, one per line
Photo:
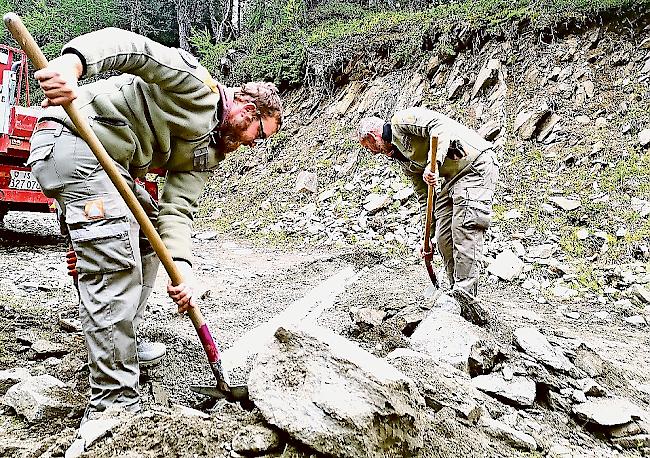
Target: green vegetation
[292,45]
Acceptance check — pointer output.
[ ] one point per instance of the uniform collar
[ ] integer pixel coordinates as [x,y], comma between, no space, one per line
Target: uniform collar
[387,133]
[225,102]
[223,109]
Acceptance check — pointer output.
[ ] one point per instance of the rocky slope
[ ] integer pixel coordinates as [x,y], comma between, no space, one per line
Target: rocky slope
[568,109]
[558,371]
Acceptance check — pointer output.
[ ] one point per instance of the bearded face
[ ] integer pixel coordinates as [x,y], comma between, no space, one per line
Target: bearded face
[231,134]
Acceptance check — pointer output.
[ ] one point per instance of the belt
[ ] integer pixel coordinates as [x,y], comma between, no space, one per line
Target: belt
[48,124]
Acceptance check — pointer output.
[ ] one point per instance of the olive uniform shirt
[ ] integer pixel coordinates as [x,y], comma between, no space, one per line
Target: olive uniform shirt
[160,113]
[410,131]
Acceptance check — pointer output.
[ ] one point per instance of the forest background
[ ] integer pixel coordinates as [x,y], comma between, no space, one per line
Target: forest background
[296,42]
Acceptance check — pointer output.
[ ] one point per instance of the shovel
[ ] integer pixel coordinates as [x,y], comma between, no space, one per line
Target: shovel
[222,389]
[428,252]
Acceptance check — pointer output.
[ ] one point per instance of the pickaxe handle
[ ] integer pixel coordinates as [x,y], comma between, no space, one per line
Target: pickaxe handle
[27,43]
[429,216]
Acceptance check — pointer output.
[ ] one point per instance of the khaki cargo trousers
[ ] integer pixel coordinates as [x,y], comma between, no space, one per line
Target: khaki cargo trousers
[463,212]
[116,265]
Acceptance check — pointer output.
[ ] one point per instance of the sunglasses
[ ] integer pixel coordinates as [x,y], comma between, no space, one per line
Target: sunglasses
[261,136]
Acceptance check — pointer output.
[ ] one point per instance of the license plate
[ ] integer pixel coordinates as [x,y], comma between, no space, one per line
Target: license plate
[23,179]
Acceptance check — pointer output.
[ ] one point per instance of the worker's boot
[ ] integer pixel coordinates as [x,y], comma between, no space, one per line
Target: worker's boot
[470,308]
[150,353]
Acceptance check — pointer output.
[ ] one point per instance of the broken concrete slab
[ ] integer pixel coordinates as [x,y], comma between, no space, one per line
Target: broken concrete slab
[506,265]
[255,439]
[328,393]
[11,377]
[520,390]
[533,343]
[44,397]
[607,411]
[447,337]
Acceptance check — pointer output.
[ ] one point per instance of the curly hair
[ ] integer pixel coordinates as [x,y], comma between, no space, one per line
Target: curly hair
[265,96]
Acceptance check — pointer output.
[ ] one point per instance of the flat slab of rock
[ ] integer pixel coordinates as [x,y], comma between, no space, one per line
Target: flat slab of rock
[589,361]
[519,390]
[533,343]
[331,395]
[375,202]
[44,397]
[506,265]
[510,435]
[607,411]
[45,348]
[447,337]
[565,203]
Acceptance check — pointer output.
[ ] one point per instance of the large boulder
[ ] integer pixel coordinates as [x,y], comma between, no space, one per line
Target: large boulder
[447,337]
[338,399]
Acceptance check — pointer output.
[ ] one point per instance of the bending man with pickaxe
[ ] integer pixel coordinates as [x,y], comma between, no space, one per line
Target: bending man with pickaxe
[468,171]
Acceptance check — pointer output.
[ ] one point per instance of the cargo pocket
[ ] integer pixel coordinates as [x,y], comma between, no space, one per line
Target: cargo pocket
[45,170]
[99,229]
[476,208]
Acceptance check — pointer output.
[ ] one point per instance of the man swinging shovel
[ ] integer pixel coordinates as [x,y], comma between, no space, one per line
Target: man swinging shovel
[467,167]
[164,110]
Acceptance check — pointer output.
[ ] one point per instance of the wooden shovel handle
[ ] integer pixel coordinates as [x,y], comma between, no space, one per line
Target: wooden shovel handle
[27,43]
[431,195]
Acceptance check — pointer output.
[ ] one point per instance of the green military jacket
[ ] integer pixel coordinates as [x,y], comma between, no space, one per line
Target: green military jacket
[458,146]
[159,113]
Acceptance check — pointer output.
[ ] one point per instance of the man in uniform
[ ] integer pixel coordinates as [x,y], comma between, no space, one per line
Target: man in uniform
[468,170]
[163,111]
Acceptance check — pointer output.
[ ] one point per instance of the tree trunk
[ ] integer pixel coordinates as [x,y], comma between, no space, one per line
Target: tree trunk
[214,24]
[225,28]
[184,18]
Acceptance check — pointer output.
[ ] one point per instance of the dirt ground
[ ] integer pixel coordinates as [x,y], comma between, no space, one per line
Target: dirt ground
[242,287]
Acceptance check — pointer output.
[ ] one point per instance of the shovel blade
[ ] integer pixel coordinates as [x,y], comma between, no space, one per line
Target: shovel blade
[236,393]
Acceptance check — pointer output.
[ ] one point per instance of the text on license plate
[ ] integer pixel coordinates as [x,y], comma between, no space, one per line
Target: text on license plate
[23,179]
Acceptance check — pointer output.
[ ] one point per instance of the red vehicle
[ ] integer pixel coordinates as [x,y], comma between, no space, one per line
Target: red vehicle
[19,190]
